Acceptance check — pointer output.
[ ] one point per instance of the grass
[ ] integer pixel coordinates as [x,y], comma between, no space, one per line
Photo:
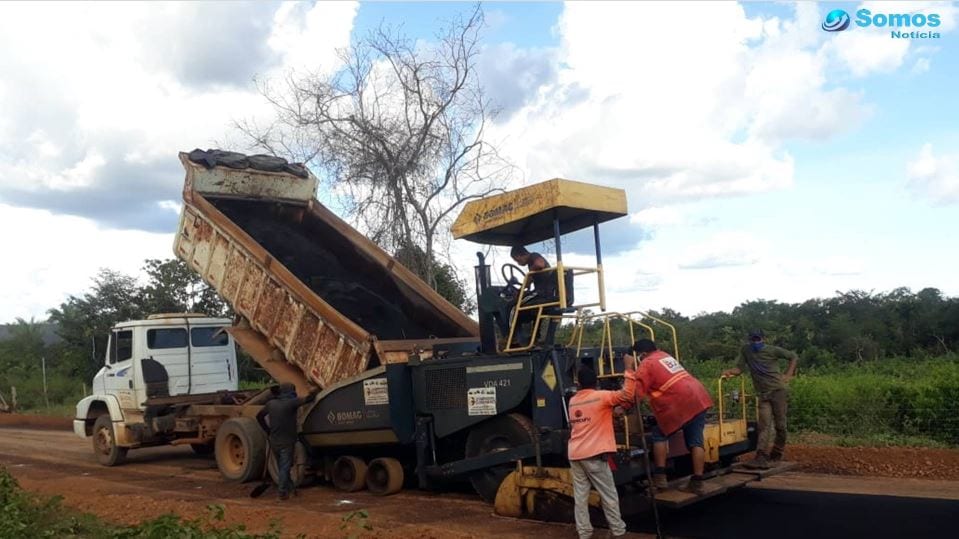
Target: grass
[898,401]
[24,514]
[868,440]
[54,410]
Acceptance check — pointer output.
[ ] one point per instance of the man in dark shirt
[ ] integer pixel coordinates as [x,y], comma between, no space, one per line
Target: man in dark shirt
[281,427]
[762,361]
[544,284]
[544,288]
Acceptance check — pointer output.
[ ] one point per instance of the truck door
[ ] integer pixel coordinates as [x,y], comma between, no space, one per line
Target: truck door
[167,345]
[119,380]
[213,358]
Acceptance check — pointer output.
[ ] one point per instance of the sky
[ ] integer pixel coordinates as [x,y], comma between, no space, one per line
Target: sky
[762,157]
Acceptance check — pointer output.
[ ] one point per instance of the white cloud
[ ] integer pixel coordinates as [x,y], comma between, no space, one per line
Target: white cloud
[722,249]
[867,50]
[840,265]
[106,94]
[307,35]
[643,106]
[96,99]
[935,177]
[657,216]
[52,256]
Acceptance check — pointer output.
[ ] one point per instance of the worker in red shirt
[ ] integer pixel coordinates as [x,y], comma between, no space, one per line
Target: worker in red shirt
[591,445]
[679,402]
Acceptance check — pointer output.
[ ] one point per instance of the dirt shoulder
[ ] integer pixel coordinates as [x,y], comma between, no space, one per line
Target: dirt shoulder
[162,480]
[904,462]
[900,462]
[30,421]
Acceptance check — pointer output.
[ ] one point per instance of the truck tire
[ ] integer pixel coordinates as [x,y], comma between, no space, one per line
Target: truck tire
[240,449]
[497,434]
[349,474]
[298,473]
[105,442]
[384,476]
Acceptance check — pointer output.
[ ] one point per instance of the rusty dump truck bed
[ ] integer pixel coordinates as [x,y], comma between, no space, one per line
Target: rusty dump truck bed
[319,299]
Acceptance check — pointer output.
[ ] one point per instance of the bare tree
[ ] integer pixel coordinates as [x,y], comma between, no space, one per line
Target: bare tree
[398,133]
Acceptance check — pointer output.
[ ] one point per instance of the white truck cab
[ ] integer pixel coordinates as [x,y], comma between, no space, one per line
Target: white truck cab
[157,359]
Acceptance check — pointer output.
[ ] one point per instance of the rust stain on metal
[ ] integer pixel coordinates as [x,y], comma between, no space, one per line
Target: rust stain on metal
[230,283]
[269,306]
[287,322]
[249,290]
[217,266]
[305,338]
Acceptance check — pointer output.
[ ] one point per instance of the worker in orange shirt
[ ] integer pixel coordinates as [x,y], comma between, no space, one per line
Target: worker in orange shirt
[591,445]
[679,402]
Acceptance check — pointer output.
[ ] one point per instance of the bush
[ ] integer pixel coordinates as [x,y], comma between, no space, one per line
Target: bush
[23,514]
[889,399]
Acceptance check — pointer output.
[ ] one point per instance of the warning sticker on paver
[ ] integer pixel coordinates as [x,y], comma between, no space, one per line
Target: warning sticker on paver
[375,391]
[481,400]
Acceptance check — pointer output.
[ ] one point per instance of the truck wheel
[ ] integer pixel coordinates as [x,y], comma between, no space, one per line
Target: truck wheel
[349,474]
[384,476]
[498,434]
[202,449]
[299,471]
[105,443]
[240,449]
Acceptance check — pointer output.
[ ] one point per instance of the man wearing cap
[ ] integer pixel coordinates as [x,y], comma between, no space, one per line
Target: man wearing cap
[592,441]
[762,361]
[544,284]
[543,291]
[281,411]
[679,402]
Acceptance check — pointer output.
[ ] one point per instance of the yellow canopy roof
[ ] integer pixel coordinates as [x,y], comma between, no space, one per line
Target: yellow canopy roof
[525,215]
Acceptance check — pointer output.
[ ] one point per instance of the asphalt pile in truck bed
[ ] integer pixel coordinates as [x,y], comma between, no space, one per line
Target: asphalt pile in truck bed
[332,267]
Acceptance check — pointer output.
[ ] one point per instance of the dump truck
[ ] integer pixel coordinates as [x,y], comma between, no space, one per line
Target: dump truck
[413,392]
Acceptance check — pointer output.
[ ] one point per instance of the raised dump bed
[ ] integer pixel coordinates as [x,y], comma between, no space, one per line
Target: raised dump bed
[318,297]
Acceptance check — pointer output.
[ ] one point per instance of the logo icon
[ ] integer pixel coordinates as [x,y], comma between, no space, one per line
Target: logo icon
[836,20]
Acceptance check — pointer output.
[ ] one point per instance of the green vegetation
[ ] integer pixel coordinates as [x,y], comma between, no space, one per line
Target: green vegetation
[896,401]
[356,523]
[874,368]
[23,514]
[853,327]
[81,325]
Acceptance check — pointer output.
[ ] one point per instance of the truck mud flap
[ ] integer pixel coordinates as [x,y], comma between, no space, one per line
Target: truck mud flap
[737,477]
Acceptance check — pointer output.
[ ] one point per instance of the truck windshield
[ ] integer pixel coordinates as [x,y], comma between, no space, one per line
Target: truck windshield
[121,346]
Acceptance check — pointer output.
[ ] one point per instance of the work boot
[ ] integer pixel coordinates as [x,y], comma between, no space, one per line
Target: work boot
[761,462]
[696,485]
[660,482]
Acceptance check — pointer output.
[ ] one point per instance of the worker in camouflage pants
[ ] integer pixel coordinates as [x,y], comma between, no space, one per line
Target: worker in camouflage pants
[762,361]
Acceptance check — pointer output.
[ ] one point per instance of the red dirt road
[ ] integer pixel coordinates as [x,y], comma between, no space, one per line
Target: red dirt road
[168,479]
[161,480]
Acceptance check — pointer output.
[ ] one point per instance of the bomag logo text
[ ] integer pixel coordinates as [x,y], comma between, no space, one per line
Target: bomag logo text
[344,417]
[495,212]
